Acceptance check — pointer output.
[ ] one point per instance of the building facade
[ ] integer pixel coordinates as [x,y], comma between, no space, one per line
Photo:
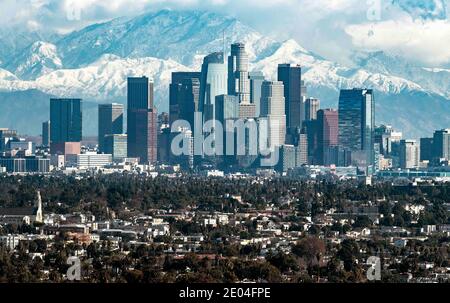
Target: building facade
[65,126]
[110,122]
[142,122]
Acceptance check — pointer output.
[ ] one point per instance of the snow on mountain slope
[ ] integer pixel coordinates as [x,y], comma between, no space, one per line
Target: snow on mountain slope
[432,79]
[105,79]
[7,76]
[38,59]
[322,73]
[176,35]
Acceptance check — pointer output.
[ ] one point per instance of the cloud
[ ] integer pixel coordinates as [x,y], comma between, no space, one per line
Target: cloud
[426,41]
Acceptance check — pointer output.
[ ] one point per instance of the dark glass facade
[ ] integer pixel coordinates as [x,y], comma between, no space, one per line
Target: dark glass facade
[65,121]
[142,122]
[357,123]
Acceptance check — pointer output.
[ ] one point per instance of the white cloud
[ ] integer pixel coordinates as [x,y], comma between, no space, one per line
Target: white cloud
[426,41]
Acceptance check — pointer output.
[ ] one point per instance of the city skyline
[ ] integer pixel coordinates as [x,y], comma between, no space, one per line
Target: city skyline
[184,146]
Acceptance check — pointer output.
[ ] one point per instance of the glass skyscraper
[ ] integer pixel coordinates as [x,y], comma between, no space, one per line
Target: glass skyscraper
[142,122]
[357,124]
[65,126]
[110,122]
[184,96]
[291,77]
[213,83]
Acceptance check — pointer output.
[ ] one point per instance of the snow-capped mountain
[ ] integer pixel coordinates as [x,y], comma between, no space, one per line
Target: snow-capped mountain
[319,73]
[38,59]
[105,79]
[94,63]
[431,79]
[167,34]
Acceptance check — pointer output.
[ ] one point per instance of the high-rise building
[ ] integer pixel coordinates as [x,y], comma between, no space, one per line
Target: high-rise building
[184,92]
[409,154]
[327,135]
[426,149]
[46,133]
[227,107]
[356,124]
[272,107]
[311,129]
[301,150]
[441,142]
[142,122]
[238,77]
[110,122]
[6,135]
[213,83]
[65,126]
[287,158]
[116,145]
[190,97]
[256,80]
[291,77]
[312,106]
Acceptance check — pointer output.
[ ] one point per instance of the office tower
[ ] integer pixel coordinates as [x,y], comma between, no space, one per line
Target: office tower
[213,83]
[185,159]
[312,105]
[301,150]
[311,129]
[110,122]
[385,136]
[441,142]
[426,149]
[238,76]
[256,80]
[46,133]
[6,135]
[65,126]
[184,92]
[190,96]
[142,122]
[356,124]
[327,135]
[291,77]
[409,154]
[164,145]
[273,107]
[247,111]
[287,158]
[227,107]
[115,145]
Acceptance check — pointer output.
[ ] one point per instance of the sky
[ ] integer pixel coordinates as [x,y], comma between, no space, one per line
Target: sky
[418,30]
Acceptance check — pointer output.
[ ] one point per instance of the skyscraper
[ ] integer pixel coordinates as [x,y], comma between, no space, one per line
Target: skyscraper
[356,124]
[142,122]
[190,96]
[65,126]
[426,149]
[238,78]
[184,93]
[116,145]
[441,142]
[46,133]
[409,154]
[291,77]
[312,105]
[110,122]
[327,136]
[256,80]
[227,107]
[272,107]
[213,83]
